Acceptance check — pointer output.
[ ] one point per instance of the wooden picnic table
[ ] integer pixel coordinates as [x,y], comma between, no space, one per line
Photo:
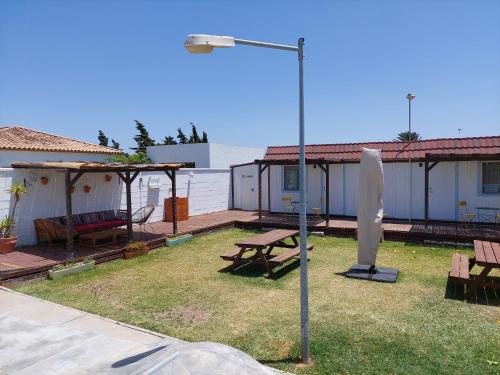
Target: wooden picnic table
[261,246]
[486,255]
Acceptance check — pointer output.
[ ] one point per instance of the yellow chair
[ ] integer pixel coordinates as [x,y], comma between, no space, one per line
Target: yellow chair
[466,217]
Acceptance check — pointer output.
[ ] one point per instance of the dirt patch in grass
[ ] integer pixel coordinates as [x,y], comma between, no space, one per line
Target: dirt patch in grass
[189,314]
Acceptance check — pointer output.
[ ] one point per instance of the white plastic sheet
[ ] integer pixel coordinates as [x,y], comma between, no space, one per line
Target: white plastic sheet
[370,205]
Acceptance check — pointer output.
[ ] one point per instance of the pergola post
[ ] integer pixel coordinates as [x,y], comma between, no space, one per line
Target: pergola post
[128,183]
[172,176]
[174,202]
[68,184]
[69,214]
[269,188]
[427,169]
[260,190]
[327,208]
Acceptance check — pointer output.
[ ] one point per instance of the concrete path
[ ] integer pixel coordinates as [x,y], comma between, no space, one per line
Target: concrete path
[40,337]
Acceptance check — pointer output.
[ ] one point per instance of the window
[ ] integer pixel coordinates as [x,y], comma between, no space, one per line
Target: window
[291,178]
[490,178]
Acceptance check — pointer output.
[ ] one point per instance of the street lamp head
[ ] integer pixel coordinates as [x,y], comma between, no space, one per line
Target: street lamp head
[199,43]
[410,96]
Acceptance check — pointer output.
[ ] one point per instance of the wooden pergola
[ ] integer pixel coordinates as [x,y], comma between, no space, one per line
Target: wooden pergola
[127,173]
[264,164]
[431,160]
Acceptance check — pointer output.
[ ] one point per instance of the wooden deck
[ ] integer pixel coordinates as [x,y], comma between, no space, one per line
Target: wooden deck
[35,261]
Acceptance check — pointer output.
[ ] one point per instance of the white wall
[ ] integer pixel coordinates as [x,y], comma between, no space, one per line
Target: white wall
[205,155]
[189,153]
[208,190]
[9,157]
[449,182]
[223,156]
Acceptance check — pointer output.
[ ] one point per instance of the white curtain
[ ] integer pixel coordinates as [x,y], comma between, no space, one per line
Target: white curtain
[370,205]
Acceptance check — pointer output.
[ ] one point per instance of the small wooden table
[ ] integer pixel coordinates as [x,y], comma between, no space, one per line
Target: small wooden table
[101,238]
[262,245]
[487,255]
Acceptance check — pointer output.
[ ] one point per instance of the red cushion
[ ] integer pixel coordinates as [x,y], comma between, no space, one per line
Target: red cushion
[83,228]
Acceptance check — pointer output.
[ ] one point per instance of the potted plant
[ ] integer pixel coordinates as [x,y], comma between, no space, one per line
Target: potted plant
[86,188]
[71,267]
[135,249]
[44,180]
[7,224]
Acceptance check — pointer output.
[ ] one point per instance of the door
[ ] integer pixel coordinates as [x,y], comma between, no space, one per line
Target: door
[442,192]
[248,193]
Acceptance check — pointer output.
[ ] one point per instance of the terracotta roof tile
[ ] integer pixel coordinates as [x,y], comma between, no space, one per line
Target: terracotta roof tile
[393,150]
[24,139]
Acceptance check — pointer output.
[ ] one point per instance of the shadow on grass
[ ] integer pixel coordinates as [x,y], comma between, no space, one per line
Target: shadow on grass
[283,361]
[482,296]
[257,270]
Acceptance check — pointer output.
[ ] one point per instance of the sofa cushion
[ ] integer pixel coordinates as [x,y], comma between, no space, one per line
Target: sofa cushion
[106,215]
[75,219]
[90,218]
[85,228]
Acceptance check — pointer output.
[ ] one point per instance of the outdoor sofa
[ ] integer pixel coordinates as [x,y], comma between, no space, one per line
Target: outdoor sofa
[54,229]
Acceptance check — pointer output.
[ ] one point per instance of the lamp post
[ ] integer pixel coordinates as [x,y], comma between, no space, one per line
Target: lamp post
[410,97]
[196,43]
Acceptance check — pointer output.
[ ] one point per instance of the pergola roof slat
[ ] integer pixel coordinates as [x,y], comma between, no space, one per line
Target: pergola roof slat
[84,166]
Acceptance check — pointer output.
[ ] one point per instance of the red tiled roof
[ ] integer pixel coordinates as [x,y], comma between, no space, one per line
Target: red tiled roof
[392,150]
[24,139]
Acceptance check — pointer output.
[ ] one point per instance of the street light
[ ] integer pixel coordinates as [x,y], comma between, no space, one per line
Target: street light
[198,43]
[410,97]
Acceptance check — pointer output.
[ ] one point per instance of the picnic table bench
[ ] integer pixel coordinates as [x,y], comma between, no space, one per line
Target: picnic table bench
[486,255]
[261,246]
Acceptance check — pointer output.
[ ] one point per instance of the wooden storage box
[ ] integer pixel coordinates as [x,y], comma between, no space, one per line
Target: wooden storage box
[182,209]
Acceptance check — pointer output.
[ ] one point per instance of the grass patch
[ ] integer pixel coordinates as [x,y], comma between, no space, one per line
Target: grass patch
[357,327]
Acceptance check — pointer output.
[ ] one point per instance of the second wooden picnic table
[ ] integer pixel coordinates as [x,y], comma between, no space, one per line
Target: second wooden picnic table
[262,245]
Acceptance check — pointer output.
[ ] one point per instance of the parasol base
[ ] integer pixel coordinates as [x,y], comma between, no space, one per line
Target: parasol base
[365,272]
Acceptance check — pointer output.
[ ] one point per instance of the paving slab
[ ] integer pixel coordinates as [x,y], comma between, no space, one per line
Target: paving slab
[41,337]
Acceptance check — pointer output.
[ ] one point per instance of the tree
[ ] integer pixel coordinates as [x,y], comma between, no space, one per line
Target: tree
[204,137]
[137,158]
[115,144]
[103,140]
[142,139]
[169,140]
[408,137]
[182,137]
[195,138]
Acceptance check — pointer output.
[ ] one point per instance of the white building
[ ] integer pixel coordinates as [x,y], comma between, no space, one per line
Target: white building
[204,155]
[19,144]
[468,170]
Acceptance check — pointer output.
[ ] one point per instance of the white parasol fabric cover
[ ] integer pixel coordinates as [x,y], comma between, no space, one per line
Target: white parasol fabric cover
[370,205]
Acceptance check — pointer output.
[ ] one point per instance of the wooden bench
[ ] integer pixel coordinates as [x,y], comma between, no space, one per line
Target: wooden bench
[231,255]
[284,257]
[459,268]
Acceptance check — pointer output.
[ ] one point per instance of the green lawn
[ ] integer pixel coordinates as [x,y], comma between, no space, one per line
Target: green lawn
[357,327]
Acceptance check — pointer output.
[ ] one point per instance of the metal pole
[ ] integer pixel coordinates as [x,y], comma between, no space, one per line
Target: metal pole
[304,293]
[410,187]
[174,202]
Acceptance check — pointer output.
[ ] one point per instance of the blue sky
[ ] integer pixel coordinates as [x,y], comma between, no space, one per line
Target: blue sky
[74,67]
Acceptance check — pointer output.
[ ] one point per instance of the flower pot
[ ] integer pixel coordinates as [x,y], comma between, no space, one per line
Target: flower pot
[7,245]
[86,188]
[135,253]
[53,275]
[44,180]
[108,178]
